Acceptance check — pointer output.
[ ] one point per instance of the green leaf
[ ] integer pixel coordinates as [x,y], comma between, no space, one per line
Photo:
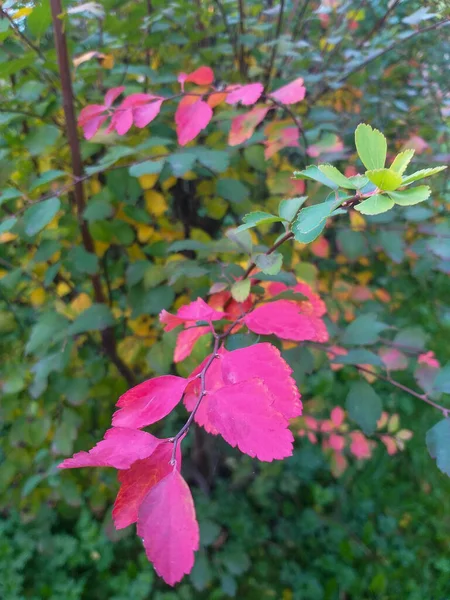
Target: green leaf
[393,244]
[240,290]
[364,406]
[358,181]
[9,194]
[288,209]
[149,167]
[269,263]
[312,216]
[97,210]
[84,261]
[41,139]
[337,177]
[371,146]
[313,172]
[375,205]
[442,380]
[240,238]
[401,161]
[359,356]
[240,340]
[307,238]
[438,444]
[182,162]
[49,328]
[411,196]
[47,177]
[39,215]
[215,160]
[385,179]
[232,190]
[363,330]
[440,247]
[254,155]
[7,224]
[40,19]
[421,175]
[94,318]
[257,218]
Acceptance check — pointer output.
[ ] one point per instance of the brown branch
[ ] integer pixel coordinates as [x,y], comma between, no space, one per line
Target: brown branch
[275,46]
[108,339]
[287,236]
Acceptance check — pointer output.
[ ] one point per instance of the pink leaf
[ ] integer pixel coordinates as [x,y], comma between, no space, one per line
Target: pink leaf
[243,415]
[192,312]
[337,416]
[360,447]
[336,442]
[213,381]
[120,448]
[186,341]
[283,319]
[390,444]
[246,94]
[143,115]
[393,359]
[121,120]
[291,93]
[201,76]
[112,94]
[285,138]
[169,528]
[138,480]
[190,119]
[243,126]
[91,118]
[429,359]
[149,401]
[91,127]
[264,362]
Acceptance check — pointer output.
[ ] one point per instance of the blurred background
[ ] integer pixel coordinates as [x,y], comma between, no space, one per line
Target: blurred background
[291,530]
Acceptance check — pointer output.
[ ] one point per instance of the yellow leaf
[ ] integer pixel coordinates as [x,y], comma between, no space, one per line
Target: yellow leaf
[216,207]
[80,303]
[357,220]
[37,297]
[189,176]
[155,202]
[96,186]
[142,325]
[107,61]
[128,349]
[206,188]
[147,182]
[3,273]
[62,289]
[168,183]
[100,248]
[136,253]
[7,237]
[22,12]
[144,232]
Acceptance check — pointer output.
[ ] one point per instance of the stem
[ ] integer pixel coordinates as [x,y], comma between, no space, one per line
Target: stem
[275,46]
[287,236]
[242,68]
[231,35]
[203,392]
[108,339]
[379,24]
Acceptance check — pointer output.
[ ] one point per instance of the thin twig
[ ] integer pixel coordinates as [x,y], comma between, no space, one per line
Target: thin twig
[275,45]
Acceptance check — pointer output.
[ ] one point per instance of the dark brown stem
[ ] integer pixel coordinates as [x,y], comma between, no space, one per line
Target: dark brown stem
[231,35]
[242,66]
[287,236]
[202,394]
[108,339]
[275,46]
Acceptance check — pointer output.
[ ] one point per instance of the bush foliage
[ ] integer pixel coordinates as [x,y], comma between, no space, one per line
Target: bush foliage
[155,216]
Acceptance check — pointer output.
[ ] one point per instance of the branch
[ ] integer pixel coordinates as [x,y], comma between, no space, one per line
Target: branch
[108,339]
[373,57]
[275,46]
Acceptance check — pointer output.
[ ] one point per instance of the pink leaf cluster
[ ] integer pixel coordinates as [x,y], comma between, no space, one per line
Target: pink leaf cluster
[195,109]
[137,109]
[337,441]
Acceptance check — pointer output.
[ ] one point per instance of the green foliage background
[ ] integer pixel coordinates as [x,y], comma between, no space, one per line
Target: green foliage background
[284,531]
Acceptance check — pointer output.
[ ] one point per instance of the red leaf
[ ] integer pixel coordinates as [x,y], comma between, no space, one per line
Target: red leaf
[91,118]
[122,120]
[192,312]
[186,342]
[149,401]
[120,448]
[291,93]
[264,362]
[243,415]
[360,447]
[201,76]
[243,126]
[169,528]
[246,94]
[143,115]
[283,319]
[190,119]
[286,138]
[138,480]
[337,416]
